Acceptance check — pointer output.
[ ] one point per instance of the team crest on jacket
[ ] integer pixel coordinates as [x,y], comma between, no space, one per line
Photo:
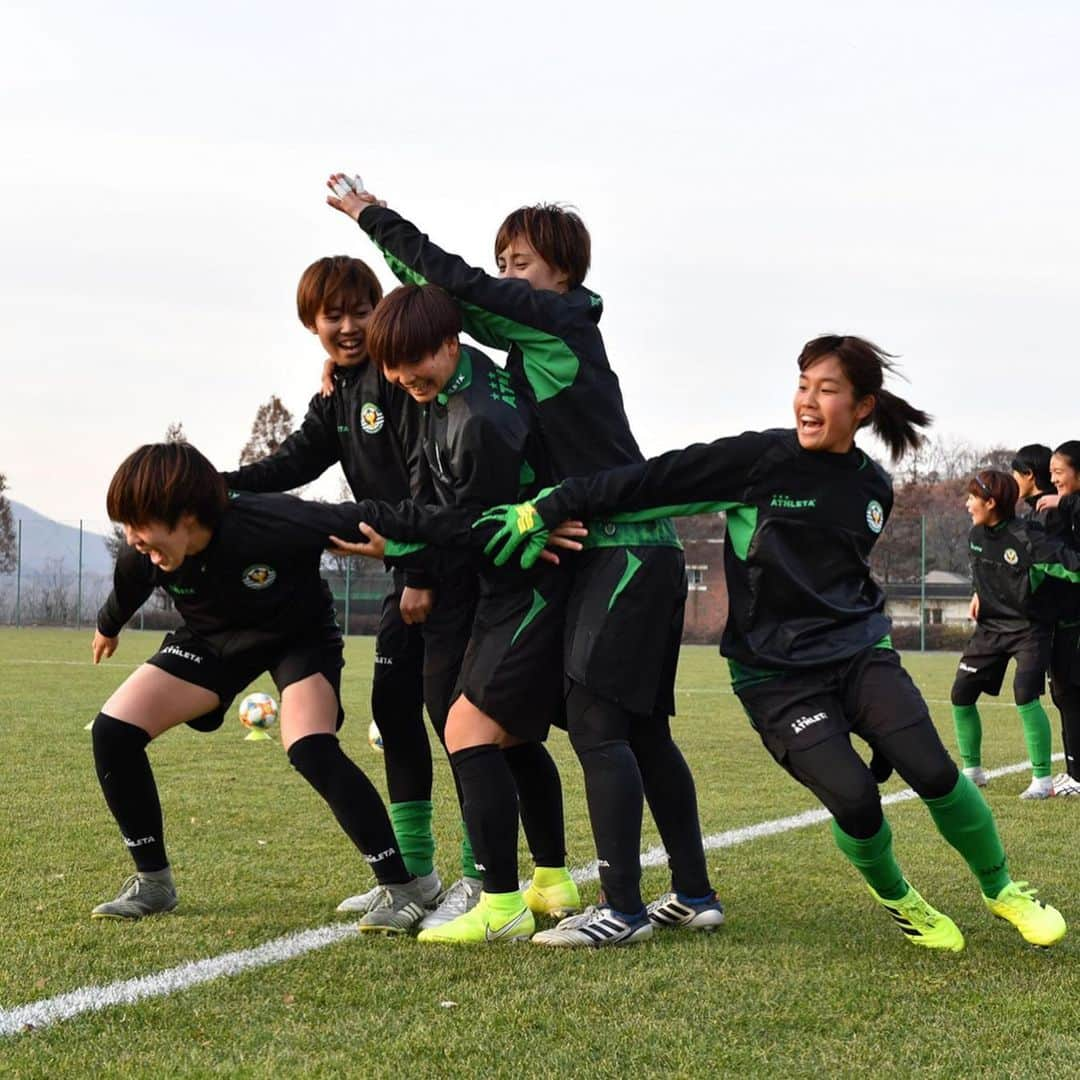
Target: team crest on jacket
[1011,557]
[371,418]
[875,516]
[259,576]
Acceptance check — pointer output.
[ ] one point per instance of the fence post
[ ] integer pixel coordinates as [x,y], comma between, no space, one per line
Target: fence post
[18,577]
[922,583]
[348,592]
[78,599]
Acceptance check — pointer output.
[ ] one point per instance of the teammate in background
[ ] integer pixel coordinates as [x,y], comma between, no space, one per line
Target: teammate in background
[369,428]
[1013,565]
[628,590]
[1065,663]
[1031,471]
[807,639]
[243,571]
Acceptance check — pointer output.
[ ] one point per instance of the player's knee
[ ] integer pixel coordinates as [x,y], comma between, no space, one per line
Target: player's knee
[963,694]
[114,738]
[1028,686]
[312,755]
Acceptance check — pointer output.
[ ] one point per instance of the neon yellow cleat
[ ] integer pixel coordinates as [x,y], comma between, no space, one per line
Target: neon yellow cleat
[922,924]
[552,892]
[1037,922]
[484,925]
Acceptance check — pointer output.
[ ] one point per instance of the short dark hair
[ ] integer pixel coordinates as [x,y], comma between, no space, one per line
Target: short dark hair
[894,420]
[410,323]
[1070,451]
[1034,460]
[558,235]
[999,486]
[334,279]
[160,482]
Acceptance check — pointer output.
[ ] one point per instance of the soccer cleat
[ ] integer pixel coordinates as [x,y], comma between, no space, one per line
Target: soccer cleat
[1037,922]
[1065,786]
[977,775]
[559,898]
[480,925]
[142,894]
[675,910]
[1041,787]
[398,909]
[596,927]
[459,898]
[362,903]
[922,924]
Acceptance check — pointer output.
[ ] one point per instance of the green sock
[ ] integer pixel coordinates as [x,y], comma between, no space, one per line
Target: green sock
[468,859]
[873,858]
[543,876]
[1036,735]
[968,734]
[965,821]
[412,827]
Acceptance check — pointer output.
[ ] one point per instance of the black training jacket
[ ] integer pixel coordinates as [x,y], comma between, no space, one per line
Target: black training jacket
[368,426]
[555,356]
[260,570]
[1017,570]
[800,528]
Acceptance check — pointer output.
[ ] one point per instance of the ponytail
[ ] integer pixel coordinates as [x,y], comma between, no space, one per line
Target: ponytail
[895,422]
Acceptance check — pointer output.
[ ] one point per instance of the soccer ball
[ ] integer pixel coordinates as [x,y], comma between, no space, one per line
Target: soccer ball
[258,712]
[374,737]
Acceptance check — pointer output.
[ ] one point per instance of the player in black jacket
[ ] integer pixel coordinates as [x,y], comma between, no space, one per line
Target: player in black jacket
[807,636]
[1031,471]
[369,428]
[476,440]
[243,572]
[1015,565]
[629,581]
[1065,664]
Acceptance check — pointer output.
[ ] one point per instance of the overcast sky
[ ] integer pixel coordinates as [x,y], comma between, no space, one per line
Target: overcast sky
[752,175]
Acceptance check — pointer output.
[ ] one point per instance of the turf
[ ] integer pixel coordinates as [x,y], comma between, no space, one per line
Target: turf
[808,978]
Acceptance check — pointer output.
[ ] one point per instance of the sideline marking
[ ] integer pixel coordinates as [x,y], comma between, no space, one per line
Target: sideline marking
[39,1014]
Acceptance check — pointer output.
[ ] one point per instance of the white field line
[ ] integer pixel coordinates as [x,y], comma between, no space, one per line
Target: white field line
[39,1014]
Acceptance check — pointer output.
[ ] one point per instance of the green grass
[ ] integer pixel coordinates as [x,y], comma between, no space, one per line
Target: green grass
[809,977]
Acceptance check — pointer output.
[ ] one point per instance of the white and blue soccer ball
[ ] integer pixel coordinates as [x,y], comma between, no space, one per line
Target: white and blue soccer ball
[258,712]
[374,737]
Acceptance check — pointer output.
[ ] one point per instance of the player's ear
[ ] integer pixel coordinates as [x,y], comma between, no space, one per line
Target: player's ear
[453,348]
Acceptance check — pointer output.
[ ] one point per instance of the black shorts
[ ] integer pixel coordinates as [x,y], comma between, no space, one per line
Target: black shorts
[1065,657]
[227,663]
[987,655]
[870,695]
[624,625]
[399,646]
[513,666]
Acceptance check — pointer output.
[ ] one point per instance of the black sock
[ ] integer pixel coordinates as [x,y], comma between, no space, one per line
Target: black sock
[354,801]
[672,798]
[127,782]
[491,813]
[599,732]
[539,790]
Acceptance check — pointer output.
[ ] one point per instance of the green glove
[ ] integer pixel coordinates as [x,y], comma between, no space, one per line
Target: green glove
[513,526]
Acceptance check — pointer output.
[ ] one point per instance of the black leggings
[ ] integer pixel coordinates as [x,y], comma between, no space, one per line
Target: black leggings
[840,778]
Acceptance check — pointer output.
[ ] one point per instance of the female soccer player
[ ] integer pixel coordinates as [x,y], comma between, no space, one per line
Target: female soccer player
[243,571]
[807,639]
[1065,665]
[1031,471]
[1013,566]
[628,589]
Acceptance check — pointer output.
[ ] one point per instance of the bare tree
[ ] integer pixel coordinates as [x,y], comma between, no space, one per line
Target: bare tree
[272,426]
[175,432]
[8,553]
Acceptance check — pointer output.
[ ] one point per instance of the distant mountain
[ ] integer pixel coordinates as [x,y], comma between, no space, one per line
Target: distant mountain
[45,543]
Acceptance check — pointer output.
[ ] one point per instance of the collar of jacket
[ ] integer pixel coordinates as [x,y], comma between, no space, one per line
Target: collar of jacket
[461,378]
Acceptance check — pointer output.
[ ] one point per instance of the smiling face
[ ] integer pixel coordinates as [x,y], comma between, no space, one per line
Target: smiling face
[519,259]
[827,413]
[341,329]
[424,380]
[167,548]
[982,511]
[1064,477]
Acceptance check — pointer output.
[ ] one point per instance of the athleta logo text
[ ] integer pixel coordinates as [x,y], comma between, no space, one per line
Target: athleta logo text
[141,842]
[805,721]
[175,650]
[787,502]
[382,855]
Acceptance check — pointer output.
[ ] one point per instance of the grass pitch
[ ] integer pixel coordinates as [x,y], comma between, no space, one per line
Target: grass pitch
[808,978]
